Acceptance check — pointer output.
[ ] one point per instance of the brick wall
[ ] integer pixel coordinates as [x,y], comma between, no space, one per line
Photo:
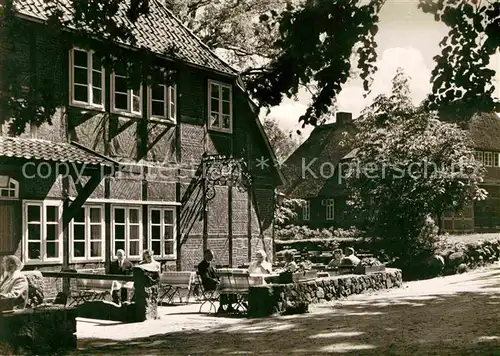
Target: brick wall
[187,142]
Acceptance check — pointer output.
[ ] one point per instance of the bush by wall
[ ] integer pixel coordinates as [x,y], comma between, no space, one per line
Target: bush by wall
[451,257]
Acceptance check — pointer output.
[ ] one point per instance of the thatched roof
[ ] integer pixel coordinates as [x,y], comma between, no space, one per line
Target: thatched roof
[323,147]
[485,131]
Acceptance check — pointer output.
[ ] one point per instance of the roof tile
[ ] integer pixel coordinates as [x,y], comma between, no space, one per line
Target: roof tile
[36,149]
[158,32]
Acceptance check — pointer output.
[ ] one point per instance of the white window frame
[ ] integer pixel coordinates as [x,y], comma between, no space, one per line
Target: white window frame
[330,209]
[169,91]
[162,225]
[127,230]
[488,159]
[496,159]
[479,156]
[90,86]
[306,211]
[219,109]
[9,190]
[130,99]
[87,223]
[43,231]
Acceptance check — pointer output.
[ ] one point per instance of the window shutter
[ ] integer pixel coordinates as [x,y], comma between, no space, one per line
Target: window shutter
[6,228]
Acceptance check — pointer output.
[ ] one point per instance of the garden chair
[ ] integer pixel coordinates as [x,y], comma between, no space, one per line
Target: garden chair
[207,296]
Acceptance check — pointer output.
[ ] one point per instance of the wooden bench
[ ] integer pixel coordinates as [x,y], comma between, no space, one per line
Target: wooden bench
[90,290]
[171,283]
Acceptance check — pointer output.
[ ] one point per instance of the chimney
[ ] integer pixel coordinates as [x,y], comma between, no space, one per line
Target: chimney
[343,118]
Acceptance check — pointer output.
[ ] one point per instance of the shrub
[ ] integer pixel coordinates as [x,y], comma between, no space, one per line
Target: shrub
[295,232]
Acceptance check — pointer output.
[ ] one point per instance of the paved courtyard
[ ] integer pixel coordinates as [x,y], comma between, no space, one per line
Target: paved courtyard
[455,315]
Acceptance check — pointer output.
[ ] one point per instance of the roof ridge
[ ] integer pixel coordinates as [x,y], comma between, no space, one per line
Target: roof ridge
[164,8]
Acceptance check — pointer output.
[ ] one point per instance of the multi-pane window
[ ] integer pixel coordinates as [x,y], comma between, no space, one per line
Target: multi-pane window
[162,100]
[87,233]
[43,231]
[125,99]
[11,188]
[220,106]
[330,209]
[306,211]
[162,232]
[126,230]
[87,78]
[478,156]
[488,159]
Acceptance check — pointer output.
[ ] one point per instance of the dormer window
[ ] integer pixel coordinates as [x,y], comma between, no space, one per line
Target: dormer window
[123,98]
[220,107]
[162,100]
[9,188]
[86,79]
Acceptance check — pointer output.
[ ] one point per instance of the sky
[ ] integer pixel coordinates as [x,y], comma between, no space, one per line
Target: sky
[408,38]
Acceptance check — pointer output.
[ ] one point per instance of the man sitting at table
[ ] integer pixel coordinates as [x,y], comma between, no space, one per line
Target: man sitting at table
[13,284]
[210,280]
[121,266]
[261,266]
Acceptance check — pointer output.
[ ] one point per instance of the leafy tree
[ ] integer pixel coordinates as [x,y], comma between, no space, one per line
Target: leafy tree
[232,26]
[409,169]
[285,213]
[282,142]
[298,54]
[320,54]
[462,81]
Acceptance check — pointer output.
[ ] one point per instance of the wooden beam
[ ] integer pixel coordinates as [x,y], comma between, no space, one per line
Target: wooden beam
[230,224]
[81,198]
[66,247]
[249,225]
[205,212]
[178,236]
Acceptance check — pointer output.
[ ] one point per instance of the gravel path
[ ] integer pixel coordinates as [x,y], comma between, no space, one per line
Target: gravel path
[455,315]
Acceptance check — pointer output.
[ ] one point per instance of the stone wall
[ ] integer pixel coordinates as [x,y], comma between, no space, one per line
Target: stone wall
[42,331]
[295,297]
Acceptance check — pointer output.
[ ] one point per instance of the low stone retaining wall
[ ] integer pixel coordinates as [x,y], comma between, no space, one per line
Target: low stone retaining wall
[39,331]
[296,297]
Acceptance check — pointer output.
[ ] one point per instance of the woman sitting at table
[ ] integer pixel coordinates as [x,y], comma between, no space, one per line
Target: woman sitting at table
[337,258]
[13,284]
[290,265]
[261,266]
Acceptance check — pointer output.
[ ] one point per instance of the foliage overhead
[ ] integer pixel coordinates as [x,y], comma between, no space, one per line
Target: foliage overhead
[409,167]
[319,54]
[282,142]
[275,38]
[232,26]
[462,81]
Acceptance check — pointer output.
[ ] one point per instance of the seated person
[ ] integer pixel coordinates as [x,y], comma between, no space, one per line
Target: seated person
[261,266]
[337,258]
[147,258]
[210,280]
[13,284]
[350,259]
[121,266]
[290,265]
